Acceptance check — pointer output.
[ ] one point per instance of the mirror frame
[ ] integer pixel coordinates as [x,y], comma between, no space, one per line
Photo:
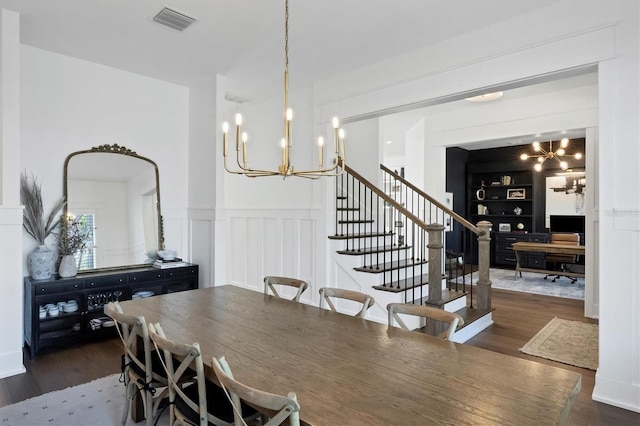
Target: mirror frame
[118,150]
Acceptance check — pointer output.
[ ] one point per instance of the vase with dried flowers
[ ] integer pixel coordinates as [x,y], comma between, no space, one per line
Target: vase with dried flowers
[42,261]
[73,240]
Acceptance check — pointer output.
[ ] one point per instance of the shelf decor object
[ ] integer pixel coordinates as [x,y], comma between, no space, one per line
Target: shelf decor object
[286,168]
[542,155]
[516,194]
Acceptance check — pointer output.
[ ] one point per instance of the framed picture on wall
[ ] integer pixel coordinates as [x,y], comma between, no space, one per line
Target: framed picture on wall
[516,194]
[504,227]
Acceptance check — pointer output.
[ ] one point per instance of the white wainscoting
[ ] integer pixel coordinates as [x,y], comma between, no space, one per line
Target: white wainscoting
[281,241]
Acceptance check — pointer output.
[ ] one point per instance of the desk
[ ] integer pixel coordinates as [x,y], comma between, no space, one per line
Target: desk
[546,248]
[350,371]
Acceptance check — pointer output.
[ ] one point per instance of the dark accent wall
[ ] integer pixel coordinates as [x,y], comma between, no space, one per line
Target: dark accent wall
[504,158]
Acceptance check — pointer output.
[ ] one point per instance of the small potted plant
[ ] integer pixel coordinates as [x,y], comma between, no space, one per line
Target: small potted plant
[42,261]
[73,240]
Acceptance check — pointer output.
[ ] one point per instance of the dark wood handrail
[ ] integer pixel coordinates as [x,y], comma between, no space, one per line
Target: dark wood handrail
[470,226]
[385,197]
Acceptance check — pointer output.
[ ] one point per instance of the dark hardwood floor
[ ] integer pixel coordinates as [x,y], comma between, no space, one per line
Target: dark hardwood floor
[517,317]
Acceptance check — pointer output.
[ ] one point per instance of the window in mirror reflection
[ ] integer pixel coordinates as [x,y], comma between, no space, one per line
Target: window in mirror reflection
[86,258]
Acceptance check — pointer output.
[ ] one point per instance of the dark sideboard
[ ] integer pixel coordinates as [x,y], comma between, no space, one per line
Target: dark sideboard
[90,292]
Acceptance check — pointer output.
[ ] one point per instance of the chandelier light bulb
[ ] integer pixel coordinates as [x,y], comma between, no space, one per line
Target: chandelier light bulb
[341,133]
[541,159]
[578,155]
[564,165]
[537,167]
[245,137]
[283,143]
[320,141]
[335,122]
[225,127]
[289,114]
[564,142]
[524,157]
[560,151]
[238,119]
[536,146]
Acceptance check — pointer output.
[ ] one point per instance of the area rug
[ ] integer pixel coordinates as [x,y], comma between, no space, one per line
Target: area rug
[569,342]
[99,403]
[505,279]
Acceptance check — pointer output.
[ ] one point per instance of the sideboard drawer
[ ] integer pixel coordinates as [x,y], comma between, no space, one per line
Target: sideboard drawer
[48,288]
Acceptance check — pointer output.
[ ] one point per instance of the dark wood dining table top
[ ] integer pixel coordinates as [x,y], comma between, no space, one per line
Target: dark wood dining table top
[351,371]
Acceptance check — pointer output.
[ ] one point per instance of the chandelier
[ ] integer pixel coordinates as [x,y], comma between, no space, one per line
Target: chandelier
[543,155]
[335,168]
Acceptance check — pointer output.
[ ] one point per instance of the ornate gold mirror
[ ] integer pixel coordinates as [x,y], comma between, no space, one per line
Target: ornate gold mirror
[118,193]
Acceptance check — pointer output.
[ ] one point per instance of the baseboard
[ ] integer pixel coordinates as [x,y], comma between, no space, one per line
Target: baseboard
[619,394]
[11,364]
[471,330]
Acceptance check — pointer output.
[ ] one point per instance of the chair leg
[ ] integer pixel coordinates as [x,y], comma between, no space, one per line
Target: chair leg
[127,402]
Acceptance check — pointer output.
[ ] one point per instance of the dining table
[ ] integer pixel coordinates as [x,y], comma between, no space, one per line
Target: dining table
[352,371]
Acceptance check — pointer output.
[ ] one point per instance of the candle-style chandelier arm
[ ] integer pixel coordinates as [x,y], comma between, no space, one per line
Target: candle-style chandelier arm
[285,168]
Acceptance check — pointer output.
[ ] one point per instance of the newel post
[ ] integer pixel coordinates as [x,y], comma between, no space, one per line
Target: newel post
[435,232]
[484,259]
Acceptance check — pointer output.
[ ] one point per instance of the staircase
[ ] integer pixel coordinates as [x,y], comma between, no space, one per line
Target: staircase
[388,242]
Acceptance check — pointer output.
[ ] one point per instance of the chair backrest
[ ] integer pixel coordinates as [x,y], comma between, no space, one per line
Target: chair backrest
[326,293]
[270,282]
[566,239]
[277,407]
[454,320]
[190,359]
[133,329]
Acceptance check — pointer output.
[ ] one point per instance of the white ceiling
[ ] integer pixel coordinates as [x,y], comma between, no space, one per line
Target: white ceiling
[244,39]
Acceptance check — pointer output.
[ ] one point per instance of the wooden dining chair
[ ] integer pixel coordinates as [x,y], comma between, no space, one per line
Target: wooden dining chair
[141,366]
[196,401]
[270,282]
[277,408]
[453,320]
[328,293]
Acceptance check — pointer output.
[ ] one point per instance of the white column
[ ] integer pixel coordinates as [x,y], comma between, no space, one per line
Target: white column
[10,210]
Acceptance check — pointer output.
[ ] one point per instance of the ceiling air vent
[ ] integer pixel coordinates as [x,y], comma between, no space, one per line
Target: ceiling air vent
[174,19]
[235,98]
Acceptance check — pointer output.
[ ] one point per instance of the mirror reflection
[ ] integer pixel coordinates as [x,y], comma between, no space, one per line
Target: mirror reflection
[117,193]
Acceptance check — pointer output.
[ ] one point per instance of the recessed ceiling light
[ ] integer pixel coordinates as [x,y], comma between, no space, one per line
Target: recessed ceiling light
[486,97]
[389,142]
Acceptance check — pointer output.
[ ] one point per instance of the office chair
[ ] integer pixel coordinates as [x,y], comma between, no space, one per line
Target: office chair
[559,260]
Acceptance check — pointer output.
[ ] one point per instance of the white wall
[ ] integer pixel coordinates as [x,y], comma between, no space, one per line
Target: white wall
[70,105]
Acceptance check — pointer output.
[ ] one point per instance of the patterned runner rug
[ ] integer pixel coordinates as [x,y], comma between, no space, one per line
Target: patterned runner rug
[569,342]
[99,403]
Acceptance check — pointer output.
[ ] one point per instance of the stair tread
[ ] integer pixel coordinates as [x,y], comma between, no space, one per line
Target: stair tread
[361,235]
[348,209]
[345,222]
[390,266]
[372,250]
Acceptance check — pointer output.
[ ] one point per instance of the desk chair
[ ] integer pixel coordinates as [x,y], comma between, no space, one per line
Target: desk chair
[199,401]
[278,408]
[561,261]
[426,312]
[326,293]
[270,282]
[141,368]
